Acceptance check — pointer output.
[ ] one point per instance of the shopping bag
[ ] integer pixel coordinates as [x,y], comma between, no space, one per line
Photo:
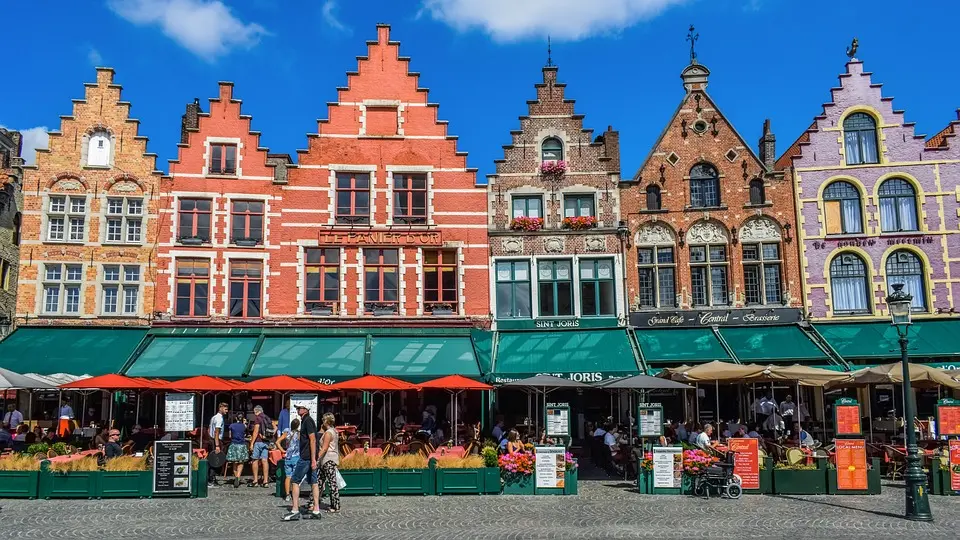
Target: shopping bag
[341,483]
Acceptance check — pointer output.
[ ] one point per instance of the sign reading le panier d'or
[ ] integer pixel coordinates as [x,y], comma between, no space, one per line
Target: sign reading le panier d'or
[172,466]
[721,317]
[380,238]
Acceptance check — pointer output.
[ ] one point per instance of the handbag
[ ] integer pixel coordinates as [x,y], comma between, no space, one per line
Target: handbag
[341,483]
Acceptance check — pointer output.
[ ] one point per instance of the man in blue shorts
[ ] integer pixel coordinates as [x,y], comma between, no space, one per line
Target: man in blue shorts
[306,468]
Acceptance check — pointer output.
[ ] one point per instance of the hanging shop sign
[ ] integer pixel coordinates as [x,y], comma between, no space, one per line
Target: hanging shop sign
[178,412]
[718,317]
[551,466]
[557,419]
[948,417]
[846,416]
[746,461]
[650,419]
[667,466]
[380,238]
[571,323]
[851,464]
[172,466]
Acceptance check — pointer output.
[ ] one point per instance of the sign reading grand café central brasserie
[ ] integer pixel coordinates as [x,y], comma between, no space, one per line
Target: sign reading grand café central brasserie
[380,238]
[716,317]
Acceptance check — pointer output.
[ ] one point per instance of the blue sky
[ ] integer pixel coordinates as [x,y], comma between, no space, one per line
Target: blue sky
[480,59]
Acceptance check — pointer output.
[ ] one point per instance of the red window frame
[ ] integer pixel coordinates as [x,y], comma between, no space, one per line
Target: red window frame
[245,215]
[195,214]
[348,183]
[381,268]
[220,160]
[192,278]
[442,262]
[323,262]
[246,273]
[404,191]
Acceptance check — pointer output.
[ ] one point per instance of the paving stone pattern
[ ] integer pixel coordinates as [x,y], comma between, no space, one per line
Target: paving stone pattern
[602,510]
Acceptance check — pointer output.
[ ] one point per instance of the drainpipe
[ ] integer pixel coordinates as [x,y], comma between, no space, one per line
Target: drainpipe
[622,232]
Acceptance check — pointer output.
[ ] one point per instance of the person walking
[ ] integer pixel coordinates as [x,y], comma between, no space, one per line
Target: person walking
[237,453]
[258,447]
[330,460]
[216,459]
[306,468]
[283,419]
[292,456]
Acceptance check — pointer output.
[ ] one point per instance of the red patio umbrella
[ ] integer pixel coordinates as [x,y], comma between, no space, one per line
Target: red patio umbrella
[110,381]
[315,385]
[373,383]
[281,383]
[203,383]
[455,384]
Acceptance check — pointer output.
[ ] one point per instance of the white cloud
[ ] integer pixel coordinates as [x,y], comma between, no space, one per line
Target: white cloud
[33,138]
[95,57]
[507,20]
[330,18]
[205,27]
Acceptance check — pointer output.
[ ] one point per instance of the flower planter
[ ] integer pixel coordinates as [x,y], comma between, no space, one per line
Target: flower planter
[766,479]
[873,481]
[518,484]
[468,481]
[801,481]
[408,481]
[570,479]
[940,477]
[126,484]
[362,482]
[441,312]
[246,242]
[644,481]
[73,485]
[19,484]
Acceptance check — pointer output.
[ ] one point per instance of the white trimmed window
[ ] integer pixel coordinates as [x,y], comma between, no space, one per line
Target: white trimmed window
[121,290]
[61,289]
[66,219]
[124,220]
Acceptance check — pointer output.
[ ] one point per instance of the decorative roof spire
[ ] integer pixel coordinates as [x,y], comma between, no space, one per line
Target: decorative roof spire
[549,53]
[852,49]
[692,37]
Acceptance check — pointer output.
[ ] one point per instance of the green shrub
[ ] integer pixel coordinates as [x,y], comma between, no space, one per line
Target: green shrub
[490,458]
[38,448]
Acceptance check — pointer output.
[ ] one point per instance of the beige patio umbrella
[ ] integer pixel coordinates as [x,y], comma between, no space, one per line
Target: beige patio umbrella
[921,376]
[807,376]
[716,371]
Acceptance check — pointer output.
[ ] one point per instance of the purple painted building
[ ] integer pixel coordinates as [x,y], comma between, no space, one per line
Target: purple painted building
[876,205]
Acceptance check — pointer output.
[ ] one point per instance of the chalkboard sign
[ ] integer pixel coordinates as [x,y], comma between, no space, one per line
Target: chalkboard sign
[172,466]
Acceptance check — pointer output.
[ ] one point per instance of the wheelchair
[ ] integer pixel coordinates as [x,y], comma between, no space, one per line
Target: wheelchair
[719,478]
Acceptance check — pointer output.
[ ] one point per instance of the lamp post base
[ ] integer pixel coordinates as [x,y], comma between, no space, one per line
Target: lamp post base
[918,505]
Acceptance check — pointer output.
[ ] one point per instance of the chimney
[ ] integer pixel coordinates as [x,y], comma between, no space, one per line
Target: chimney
[768,146]
[190,120]
[611,148]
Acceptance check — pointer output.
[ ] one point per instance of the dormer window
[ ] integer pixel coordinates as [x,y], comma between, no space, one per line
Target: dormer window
[98,149]
[860,139]
[551,149]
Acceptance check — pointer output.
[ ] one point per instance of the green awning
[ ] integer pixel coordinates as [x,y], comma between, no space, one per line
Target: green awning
[772,345]
[176,357]
[879,340]
[327,359]
[483,345]
[585,355]
[75,351]
[418,359]
[680,346]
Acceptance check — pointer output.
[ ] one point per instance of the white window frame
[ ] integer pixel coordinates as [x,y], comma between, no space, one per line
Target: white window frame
[122,284]
[67,216]
[62,283]
[126,218]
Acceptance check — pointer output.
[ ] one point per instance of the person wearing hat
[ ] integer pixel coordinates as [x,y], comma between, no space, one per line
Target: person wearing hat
[307,468]
[112,449]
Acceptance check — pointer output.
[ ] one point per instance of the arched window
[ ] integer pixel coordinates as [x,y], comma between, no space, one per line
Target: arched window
[551,149]
[905,267]
[17,221]
[758,194]
[98,149]
[653,197]
[841,204]
[860,139]
[848,284]
[704,186]
[898,206]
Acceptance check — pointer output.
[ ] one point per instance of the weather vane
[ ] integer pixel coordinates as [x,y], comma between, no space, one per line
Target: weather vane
[692,37]
[549,52]
[852,49]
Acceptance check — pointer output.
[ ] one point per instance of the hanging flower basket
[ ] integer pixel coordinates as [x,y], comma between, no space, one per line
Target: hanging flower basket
[553,168]
[579,223]
[526,224]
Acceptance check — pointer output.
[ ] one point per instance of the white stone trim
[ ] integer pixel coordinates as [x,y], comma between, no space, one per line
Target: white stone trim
[402,286]
[360,291]
[461,282]
[230,176]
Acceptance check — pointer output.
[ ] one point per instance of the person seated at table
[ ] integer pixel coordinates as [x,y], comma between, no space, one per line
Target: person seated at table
[498,430]
[139,439]
[429,423]
[544,439]
[703,439]
[400,419]
[113,449]
[102,438]
[6,439]
[682,431]
[694,434]
[773,425]
[754,432]
[513,442]
[22,431]
[805,438]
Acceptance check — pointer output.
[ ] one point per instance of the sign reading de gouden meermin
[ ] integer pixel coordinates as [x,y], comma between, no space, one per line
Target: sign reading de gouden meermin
[380,238]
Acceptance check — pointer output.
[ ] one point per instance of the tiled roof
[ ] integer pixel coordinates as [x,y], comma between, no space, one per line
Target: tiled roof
[940,139]
[787,158]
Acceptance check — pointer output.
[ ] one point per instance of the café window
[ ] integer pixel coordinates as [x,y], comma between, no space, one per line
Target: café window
[61,288]
[322,285]
[761,273]
[513,289]
[410,198]
[353,198]
[555,286]
[381,280]
[708,275]
[223,159]
[657,270]
[124,220]
[597,290]
[441,280]
[246,286]
[194,221]
[193,288]
[120,290]
[246,223]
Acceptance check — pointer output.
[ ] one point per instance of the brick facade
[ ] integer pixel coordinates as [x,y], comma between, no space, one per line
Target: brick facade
[90,208]
[11,207]
[699,139]
[552,135]
[864,238]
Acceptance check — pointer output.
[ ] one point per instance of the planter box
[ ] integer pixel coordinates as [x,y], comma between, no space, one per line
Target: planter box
[766,479]
[801,482]
[644,481]
[198,484]
[281,476]
[468,481]
[940,479]
[19,484]
[362,482]
[74,485]
[570,482]
[686,487]
[126,484]
[516,484]
[873,482]
[408,481]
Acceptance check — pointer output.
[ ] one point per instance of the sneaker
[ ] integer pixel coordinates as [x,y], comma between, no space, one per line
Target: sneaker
[293,515]
[315,514]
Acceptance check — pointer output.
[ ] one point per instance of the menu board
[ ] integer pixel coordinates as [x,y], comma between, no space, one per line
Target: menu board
[847,415]
[310,400]
[667,466]
[551,466]
[650,419]
[172,466]
[851,464]
[746,463]
[948,417]
[954,463]
[558,420]
[178,412]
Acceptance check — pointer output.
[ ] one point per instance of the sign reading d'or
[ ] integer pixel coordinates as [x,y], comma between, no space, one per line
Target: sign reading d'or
[380,238]
[746,463]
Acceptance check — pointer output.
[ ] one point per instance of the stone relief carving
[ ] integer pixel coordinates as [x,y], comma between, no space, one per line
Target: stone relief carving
[595,243]
[125,187]
[553,244]
[762,229]
[512,245]
[706,232]
[69,184]
[654,234]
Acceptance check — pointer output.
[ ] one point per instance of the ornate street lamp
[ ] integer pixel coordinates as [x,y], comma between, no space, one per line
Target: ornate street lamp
[918,506]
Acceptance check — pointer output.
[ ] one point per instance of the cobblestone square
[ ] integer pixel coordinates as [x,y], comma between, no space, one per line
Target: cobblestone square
[602,510]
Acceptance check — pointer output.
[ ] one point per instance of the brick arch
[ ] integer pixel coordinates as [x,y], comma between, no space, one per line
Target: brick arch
[98,127]
[125,177]
[65,176]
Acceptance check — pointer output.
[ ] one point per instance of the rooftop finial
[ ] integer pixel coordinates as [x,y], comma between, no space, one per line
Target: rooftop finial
[852,49]
[692,37]
[549,53]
